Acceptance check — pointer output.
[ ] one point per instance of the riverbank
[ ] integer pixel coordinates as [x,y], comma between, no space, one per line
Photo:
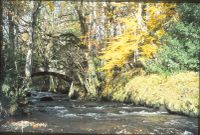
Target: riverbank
[178,93]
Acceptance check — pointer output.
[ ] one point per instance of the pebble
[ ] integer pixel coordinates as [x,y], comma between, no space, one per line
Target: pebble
[123,131]
[187,133]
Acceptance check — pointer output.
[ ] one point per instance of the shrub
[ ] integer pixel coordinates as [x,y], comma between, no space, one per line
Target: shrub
[180,51]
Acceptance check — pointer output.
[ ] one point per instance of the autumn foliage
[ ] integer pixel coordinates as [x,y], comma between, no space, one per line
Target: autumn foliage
[141,34]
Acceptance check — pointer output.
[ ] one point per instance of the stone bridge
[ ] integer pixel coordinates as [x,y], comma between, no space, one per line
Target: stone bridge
[51,71]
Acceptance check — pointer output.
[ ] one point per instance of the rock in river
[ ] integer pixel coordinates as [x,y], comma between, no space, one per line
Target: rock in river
[46,99]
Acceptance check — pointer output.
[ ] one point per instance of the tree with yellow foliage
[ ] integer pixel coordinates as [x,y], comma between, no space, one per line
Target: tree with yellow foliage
[143,28]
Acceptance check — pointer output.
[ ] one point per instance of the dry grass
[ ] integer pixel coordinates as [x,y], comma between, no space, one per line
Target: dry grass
[178,92]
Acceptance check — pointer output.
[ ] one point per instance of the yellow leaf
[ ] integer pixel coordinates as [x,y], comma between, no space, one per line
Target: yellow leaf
[25,36]
[160,32]
[51,5]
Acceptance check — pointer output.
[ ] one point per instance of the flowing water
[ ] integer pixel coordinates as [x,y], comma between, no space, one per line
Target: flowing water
[63,116]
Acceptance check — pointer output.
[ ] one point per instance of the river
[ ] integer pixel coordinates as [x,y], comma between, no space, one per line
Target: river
[72,116]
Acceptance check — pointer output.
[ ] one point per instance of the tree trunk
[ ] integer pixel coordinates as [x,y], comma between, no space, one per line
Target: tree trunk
[29,57]
[91,81]
[139,18]
[1,43]
[11,54]
[82,19]
[142,27]
[71,90]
